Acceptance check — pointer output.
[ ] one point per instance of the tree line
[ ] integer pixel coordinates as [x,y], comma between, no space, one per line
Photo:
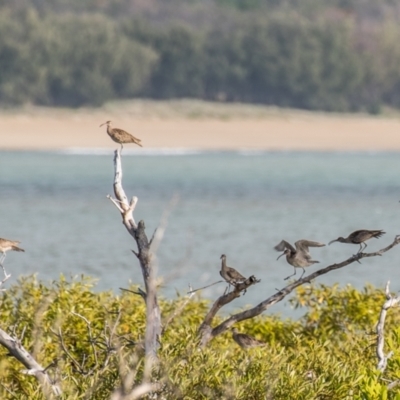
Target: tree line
[329,59]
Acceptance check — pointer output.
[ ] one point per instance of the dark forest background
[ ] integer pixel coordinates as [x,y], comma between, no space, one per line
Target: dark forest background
[335,55]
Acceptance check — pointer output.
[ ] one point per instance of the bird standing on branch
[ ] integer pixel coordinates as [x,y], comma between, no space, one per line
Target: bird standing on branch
[6,245]
[232,276]
[360,237]
[300,256]
[120,136]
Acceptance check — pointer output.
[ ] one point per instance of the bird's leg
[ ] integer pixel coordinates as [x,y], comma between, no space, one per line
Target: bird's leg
[122,146]
[304,271]
[359,250]
[290,275]
[3,257]
[365,246]
[227,290]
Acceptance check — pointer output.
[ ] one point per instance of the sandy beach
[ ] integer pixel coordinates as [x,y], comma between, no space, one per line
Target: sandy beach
[175,125]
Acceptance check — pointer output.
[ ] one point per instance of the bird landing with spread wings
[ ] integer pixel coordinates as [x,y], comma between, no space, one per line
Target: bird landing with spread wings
[120,136]
[298,257]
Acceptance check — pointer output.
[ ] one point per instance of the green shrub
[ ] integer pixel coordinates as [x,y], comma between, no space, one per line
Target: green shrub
[328,353]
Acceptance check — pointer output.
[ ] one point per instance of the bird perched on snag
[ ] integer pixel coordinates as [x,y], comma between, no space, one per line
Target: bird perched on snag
[360,237]
[298,257]
[120,136]
[232,276]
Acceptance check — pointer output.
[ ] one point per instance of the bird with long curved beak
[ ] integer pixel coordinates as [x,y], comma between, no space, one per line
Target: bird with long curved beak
[360,237]
[298,257]
[120,136]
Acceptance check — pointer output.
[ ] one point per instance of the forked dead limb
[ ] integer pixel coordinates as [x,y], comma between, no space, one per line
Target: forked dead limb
[208,333]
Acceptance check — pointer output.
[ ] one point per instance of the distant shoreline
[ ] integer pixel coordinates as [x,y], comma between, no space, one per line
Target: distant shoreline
[172,125]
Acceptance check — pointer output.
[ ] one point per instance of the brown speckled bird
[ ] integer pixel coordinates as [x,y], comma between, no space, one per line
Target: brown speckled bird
[6,245]
[360,237]
[246,341]
[300,256]
[120,136]
[232,276]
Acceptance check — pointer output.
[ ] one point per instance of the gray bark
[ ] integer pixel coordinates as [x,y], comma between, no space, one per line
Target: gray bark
[50,388]
[137,231]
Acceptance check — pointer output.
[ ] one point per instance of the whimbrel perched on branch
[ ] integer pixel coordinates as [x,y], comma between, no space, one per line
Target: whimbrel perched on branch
[299,257]
[120,136]
[232,276]
[360,237]
[6,245]
[246,341]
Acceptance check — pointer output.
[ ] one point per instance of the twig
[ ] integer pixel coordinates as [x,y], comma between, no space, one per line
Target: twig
[91,341]
[204,287]
[140,292]
[390,302]
[6,276]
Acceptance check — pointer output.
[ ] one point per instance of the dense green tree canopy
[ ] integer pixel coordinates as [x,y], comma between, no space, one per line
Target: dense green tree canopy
[315,54]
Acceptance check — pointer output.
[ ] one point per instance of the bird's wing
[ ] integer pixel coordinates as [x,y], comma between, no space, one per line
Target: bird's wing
[365,234]
[357,233]
[121,134]
[234,275]
[284,245]
[303,245]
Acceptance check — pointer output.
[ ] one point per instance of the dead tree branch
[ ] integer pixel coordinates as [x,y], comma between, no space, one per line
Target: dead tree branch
[390,302]
[137,231]
[208,333]
[15,348]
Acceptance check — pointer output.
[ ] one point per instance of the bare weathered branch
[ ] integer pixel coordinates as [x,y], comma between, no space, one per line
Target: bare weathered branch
[205,327]
[137,231]
[6,276]
[207,333]
[15,348]
[390,302]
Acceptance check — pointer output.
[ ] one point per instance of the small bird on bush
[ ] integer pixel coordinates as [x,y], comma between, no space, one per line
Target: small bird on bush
[6,245]
[360,237]
[120,136]
[246,341]
[300,256]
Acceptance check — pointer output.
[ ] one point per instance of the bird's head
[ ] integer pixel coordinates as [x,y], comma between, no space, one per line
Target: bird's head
[339,239]
[234,329]
[108,123]
[223,257]
[286,252]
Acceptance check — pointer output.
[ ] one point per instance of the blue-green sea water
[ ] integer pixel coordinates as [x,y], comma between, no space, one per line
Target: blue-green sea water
[237,203]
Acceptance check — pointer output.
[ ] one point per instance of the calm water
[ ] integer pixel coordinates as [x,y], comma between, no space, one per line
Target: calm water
[240,204]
